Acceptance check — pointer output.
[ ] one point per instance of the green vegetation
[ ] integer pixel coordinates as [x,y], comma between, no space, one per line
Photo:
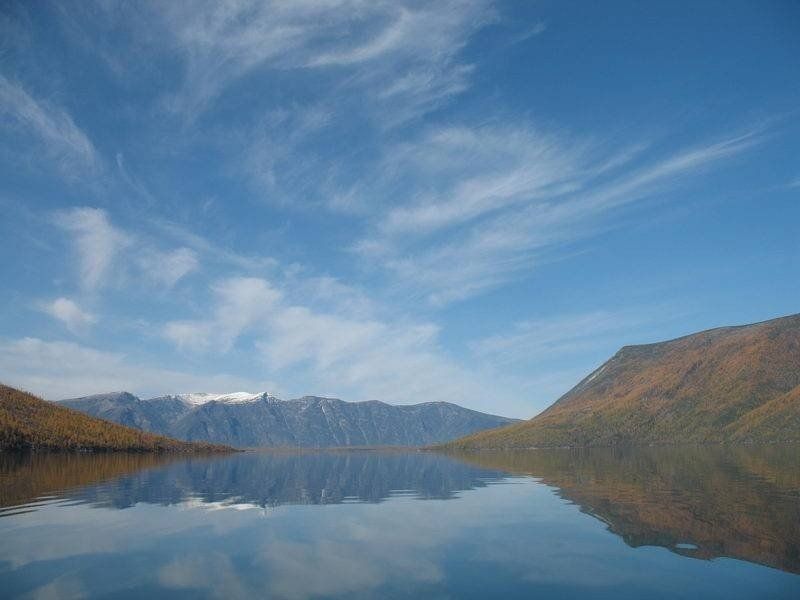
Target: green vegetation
[732,384]
[30,423]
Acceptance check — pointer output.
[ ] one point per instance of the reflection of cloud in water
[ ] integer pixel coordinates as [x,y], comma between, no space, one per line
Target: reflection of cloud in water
[212,572]
[296,556]
[701,502]
[336,570]
[207,529]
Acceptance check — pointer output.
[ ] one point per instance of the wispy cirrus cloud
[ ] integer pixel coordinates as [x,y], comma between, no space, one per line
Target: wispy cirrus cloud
[166,268]
[211,250]
[483,170]
[400,52]
[97,242]
[279,159]
[488,204]
[532,342]
[52,127]
[537,28]
[108,254]
[70,314]
[381,63]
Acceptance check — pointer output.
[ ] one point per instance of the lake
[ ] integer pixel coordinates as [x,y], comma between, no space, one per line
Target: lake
[706,522]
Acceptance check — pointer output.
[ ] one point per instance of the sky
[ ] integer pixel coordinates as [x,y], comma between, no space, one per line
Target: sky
[472,202]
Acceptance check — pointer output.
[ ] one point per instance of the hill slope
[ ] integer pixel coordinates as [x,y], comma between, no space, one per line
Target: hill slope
[248,420]
[29,423]
[732,384]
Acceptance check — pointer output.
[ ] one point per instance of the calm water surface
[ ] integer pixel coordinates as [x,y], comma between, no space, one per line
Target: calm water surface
[646,523]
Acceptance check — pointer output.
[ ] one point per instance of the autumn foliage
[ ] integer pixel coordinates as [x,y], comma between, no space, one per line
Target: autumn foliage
[731,384]
[30,423]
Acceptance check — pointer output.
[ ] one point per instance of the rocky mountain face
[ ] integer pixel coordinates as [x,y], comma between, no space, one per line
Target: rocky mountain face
[732,384]
[250,420]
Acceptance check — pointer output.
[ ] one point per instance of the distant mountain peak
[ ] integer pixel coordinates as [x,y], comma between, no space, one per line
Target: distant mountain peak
[199,398]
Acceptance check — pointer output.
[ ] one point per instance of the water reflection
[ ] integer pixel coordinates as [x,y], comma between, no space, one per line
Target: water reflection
[703,502]
[258,478]
[312,525]
[26,478]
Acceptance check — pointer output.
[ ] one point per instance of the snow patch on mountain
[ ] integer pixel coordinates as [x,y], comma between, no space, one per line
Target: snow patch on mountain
[199,398]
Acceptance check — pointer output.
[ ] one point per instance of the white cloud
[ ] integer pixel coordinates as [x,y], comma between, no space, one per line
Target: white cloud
[69,313]
[336,350]
[57,369]
[64,142]
[383,64]
[213,251]
[107,254]
[97,241]
[394,36]
[483,170]
[503,198]
[167,268]
[333,294]
[277,159]
[240,303]
[531,31]
[405,52]
[299,334]
[189,335]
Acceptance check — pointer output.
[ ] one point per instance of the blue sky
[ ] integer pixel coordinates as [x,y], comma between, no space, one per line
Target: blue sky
[466,201]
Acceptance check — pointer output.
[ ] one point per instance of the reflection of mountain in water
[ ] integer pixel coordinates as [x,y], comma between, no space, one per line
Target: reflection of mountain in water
[739,502]
[263,479]
[26,477]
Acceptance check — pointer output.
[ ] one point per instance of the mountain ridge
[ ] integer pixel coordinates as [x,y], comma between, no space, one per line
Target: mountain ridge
[728,384]
[310,421]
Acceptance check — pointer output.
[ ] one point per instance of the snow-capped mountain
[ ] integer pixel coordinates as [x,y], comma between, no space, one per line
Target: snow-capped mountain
[199,398]
[258,419]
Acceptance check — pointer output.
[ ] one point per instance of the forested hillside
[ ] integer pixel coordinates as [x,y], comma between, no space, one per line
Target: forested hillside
[30,423]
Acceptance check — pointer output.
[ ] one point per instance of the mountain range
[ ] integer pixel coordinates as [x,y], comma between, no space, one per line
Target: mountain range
[730,384]
[261,420]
